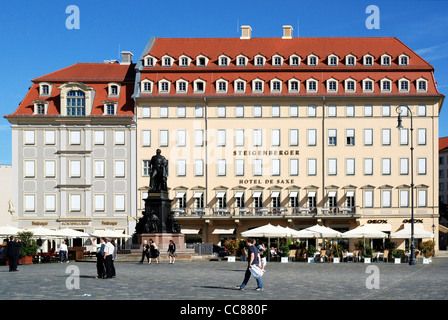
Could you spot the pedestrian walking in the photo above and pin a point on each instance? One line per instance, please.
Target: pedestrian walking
(114, 257)
(172, 251)
(254, 260)
(145, 252)
(100, 268)
(63, 252)
(262, 250)
(153, 251)
(108, 259)
(13, 252)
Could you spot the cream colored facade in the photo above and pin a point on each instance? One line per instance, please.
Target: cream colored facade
(379, 196)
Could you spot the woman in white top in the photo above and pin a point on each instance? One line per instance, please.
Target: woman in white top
(63, 252)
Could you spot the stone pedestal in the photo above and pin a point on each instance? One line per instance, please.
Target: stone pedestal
(158, 204)
(163, 240)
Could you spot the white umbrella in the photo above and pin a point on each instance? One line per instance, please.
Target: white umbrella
(9, 230)
(289, 232)
(41, 232)
(405, 233)
(266, 231)
(364, 232)
(109, 234)
(324, 232)
(71, 233)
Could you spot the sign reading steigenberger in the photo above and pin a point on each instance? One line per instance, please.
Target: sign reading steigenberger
(266, 152)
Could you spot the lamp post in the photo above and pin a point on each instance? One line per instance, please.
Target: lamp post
(412, 260)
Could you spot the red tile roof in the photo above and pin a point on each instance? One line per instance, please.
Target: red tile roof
(443, 143)
(95, 75)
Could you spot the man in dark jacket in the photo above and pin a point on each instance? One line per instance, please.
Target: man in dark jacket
(13, 252)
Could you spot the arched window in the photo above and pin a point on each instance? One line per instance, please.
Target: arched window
(76, 103)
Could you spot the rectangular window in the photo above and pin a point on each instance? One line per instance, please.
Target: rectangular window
(421, 112)
(146, 138)
(221, 111)
(386, 166)
(75, 168)
(239, 111)
(239, 167)
(258, 167)
(239, 137)
(404, 166)
(119, 137)
(275, 137)
(368, 137)
(275, 167)
(181, 138)
(404, 136)
(368, 166)
(293, 137)
(29, 202)
(385, 137)
(221, 167)
(385, 111)
(386, 198)
(99, 202)
(146, 112)
(163, 112)
(50, 137)
(99, 168)
(199, 112)
(120, 169)
(275, 111)
(421, 198)
(50, 168)
(221, 138)
(181, 168)
(421, 137)
(312, 139)
(350, 167)
(332, 111)
(119, 202)
(421, 166)
(50, 202)
(75, 202)
(257, 137)
(332, 167)
(29, 169)
(75, 137)
(293, 111)
(332, 137)
(29, 137)
(350, 137)
(368, 198)
(145, 168)
(198, 168)
(312, 167)
(311, 111)
(163, 135)
(181, 110)
(99, 137)
(293, 167)
(350, 111)
(258, 113)
(404, 198)
(198, 138)
(368, 111)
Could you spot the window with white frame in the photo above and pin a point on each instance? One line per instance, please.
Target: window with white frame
(258, 86)
(275, 111)
(332, 137)
(421, 111)
(403, 60)
(350, 137)
(275, 137)
(421, 136)
(293, 111)
(333, 60)
(404, 198)
(167, 61)
(404, 137)
(368, 60)
(75, 202)
(199, 86)
(99, 171)
(199, 168)
(293, 137)
(259, 60)
(146, 165)
(181, 86)
(386, 85)
(181, 138)
(221, 167)
(30, 202)
(146, 112)
(332, 167)
(276, 86)
(312, 60)
(50, 137)
(239, 137)
(277, 61)
(241, 61)
(332, 110)
(240, 86)
(50, 202)
(421, 198)
(312, 137)
(421, 166)
(146, 138)
(149, 62)
(239, 111)
(385, 141)
(223, 61)
(350, 60)
(368, 198)
(120, 168)
(332, 86)
(403, 85)
(367, 85)
(221, 137)
(120, 203)
(386, 166)
(163, 138)
(312, 111)
(312, 167)
(422, 85)
(257, 137)
(164, 86)
(350, 166)
(119, 137)
(368, 166)
(75, 137)
(294, 60)
(385, 60)
(311, 85)
(198, 111)
(146, 86)
(75, 168)
(181, 167)
(350, 85)
(221, 86)
(239, 167)
(29, 168)
(221, 111)
(258, 111)
(293, 167)
(349, 110)
(293, 85)
(404, 166)
(258, 167)
(198, 138)
(368, 111)
(99, 202)
(386, 198)
(368, 137)
(163, 112)
(385, 110)
(50, 168)
(184, 61)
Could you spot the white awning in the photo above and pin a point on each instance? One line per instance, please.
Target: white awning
(257, 194)
(190, 231)
(239, 194)
(381, 226)
(312, 194)
(332, 194)
(275, 194)
(220, 194)
(223, 231)
(180, 194)
(293, 194)
(197, 195)
(350, 193)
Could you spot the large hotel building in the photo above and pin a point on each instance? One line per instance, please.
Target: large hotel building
(288, 131)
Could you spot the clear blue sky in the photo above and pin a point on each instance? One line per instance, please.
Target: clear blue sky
(35, 41)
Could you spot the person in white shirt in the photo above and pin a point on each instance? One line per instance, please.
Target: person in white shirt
(63, 252)
(108, 259)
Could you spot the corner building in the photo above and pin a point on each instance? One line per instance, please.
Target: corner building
(288, 131)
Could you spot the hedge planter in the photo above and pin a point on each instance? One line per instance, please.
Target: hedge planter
(284, 260)
(427, 260)
(367, 260)
(231, 259)
(397, 260)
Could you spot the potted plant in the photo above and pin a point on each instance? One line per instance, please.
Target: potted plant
(368, 254)
(232, 247)
(29, 247)
(427, 249)
(310, 253)
(398, 255)
(285, 253)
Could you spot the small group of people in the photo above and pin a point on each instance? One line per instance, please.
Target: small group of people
(106, 253)
(151, 251)
(13, 252)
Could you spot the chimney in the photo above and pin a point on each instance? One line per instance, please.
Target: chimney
(126, 57)
(287, 32)
(245, 32)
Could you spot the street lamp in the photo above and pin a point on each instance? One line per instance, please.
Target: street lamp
(399, 109)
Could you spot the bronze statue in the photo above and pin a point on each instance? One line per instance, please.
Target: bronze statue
(158, 171)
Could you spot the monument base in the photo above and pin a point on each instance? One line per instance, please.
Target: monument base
(163, 240)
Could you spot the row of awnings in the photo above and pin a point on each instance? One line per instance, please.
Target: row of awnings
(257, 194)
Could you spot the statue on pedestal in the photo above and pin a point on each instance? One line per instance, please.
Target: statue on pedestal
(158, 171)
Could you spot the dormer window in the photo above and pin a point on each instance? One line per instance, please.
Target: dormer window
(403, 85)
(277, 60)
(333, 60)
(110, 108)
(260, 60)
(221, 86)
(76, 103)
(257, 86)
(184, 61)
(312, 60)
(150, 61)
(167, 61)
(367, 85)
(240, 86)
(403, 60)
(181, 86)
(199, 86)
(311, 85)
(386, 85)
(241, 61)
(164, 86)
(422, 85)
(276, 86)
(40, 107)
(294, 85)
(201, 61)
(350, 85)
(332, 85)
(146, 86)
(45, 89)
(350, 60)
(385, 60)
(368, 60)
(224, 61)
(114, 89)
(294, 60)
